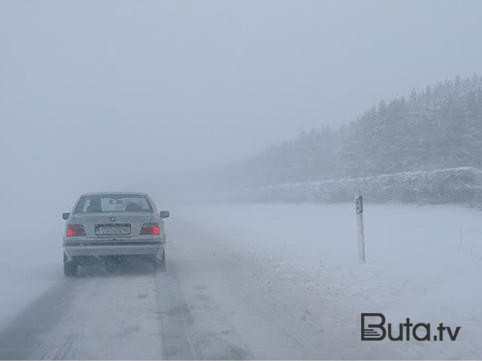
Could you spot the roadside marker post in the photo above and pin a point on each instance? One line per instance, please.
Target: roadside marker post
(360, 228)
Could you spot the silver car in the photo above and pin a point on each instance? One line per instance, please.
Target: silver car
(111, 226)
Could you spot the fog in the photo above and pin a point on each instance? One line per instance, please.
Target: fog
(125, 94)
(183, 98)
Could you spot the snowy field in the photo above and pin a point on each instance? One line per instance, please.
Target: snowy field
(424, 262)
(254, 281)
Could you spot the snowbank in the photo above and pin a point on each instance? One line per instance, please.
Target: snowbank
(453, 185)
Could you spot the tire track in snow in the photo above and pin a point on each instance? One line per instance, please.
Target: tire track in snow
(97, 315)
(176, 319)
(122, 313)
(22, 336)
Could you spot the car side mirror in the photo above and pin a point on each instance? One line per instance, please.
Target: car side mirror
(164, 214)
(65, 215)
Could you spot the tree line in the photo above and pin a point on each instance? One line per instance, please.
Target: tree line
(436, 128)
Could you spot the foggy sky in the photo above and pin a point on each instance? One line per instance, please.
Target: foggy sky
(112, 95)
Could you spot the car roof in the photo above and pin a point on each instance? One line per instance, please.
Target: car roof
(119, 193)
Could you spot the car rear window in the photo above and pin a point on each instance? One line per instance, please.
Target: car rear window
(113, 203)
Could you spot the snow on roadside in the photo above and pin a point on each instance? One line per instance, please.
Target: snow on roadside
(30, 260)
(440, 186)
(423, 261)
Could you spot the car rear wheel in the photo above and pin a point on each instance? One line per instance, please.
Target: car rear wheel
(70, 267)
(160, 262)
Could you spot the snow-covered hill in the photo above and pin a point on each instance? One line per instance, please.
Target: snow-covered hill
(437, 128)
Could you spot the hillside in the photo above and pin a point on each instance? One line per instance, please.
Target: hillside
(437, 128)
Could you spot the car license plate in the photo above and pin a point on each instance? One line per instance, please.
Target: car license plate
(112, 229)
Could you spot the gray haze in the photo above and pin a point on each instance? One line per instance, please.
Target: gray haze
(119, 95)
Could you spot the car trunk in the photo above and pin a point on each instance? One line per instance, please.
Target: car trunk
(113, 225)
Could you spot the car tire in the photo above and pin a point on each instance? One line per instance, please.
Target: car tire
(160, 263)
(70, 267)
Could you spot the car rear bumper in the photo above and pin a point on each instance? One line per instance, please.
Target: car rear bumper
(131, 249)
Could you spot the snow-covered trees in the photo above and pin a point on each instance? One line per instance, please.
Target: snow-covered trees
(426, 148)
(439, 127)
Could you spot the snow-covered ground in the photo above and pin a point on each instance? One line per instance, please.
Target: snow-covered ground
(252, 281)
(424, 263)
(30, 259)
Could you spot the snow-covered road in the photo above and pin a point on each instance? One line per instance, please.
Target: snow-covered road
(210, 304)
(262, 282)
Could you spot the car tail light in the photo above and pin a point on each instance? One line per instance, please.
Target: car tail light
(151, 228)
(75, 230)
